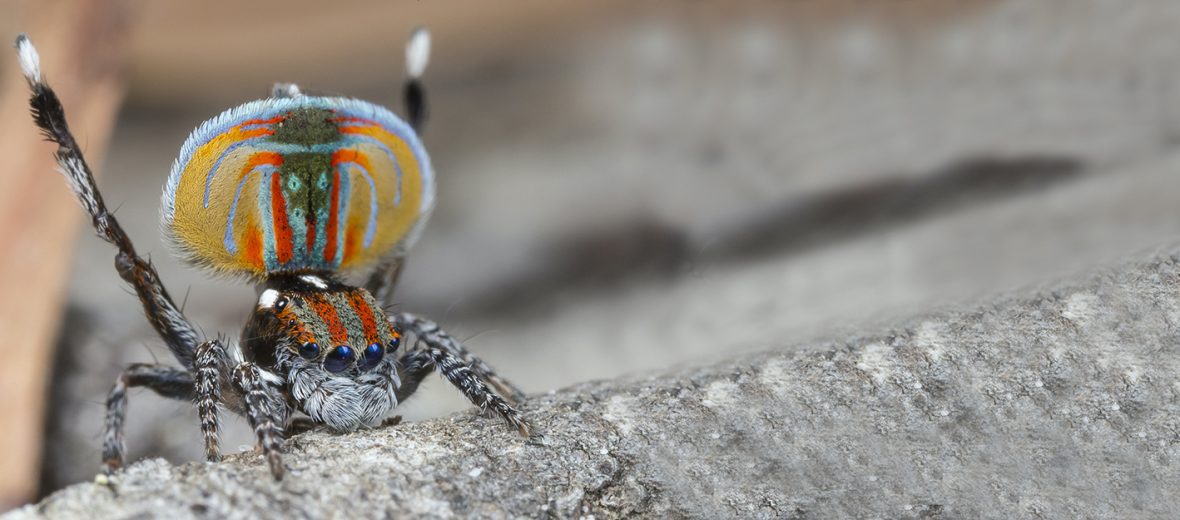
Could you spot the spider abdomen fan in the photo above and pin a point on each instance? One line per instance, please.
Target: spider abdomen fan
(298, 184)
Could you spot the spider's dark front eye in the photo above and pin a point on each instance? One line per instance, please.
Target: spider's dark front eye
(373, 355)
(338, 359)
(395, 342)
(309, 350)
(281, 303)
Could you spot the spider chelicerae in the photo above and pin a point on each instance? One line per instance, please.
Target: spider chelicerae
(291, 193)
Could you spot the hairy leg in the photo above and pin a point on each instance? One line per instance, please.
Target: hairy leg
(265, 411)
(423, 359)
(413, 367)
(414, 95)
(211, 361)
(49, 115)
(169, 382)
(432, 335)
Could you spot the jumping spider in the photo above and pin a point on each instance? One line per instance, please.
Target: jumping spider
(289, 192)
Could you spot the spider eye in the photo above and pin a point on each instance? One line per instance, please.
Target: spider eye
(373, 355)
(309, 350)
(338, 359)
(281, 303)
(395, 342)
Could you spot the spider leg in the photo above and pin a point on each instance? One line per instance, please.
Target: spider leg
(300, 425)
(413, 367)
(265, 411)
(49, 115)
(436, 350)
(169, 382)
(417, 56)
(285, 90)
(430, 333)
(383, 280)
(210, 361)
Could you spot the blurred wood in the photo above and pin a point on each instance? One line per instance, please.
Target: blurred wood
(349, 43)
(80, 43)
(239, 57)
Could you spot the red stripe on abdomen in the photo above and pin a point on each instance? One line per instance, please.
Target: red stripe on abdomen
(333, 219)
(282, 226)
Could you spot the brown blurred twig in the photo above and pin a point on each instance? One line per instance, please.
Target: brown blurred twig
(81, 49)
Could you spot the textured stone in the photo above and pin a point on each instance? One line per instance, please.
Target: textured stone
(1058, 404)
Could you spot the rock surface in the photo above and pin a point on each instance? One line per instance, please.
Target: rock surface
(1057, 404)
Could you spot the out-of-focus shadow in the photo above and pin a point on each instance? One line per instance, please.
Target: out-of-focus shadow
(890, 201)
(607, 258)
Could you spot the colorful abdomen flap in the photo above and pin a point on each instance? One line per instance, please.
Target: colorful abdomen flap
(298, 184)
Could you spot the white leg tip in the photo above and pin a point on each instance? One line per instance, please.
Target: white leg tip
(30, 61)
(289, 90)
(418, 52)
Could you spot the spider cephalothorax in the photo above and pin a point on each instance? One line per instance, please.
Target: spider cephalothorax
(335, 345)
(289, 192)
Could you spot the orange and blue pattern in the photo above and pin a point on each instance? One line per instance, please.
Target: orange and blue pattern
(299, 184)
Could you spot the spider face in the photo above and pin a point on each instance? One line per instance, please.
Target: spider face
(331, 344)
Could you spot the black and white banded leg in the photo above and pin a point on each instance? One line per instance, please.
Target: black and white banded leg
(424, 358)
(433, 336)
(50, 116)
(210, 363)
(417, 57)
(169, 382)
(265, 411)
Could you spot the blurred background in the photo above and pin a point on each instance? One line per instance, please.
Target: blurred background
(624, 187)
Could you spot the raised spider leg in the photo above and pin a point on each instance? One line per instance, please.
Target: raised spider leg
(417, 56)
(49, 115)
(265, 411)
(210, 361)
(169, 382)
(384, 279)
(436, 350)
(430, 333)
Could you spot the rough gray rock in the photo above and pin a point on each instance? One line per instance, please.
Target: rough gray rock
(1062, 404)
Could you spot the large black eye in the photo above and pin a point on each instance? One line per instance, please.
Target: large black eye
(373, 355)
(281, 303)
(395, 342)
(309, 350)
(338, 359)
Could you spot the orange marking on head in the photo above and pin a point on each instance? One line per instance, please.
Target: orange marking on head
(282, 227)
(365, 312)
(324, 309)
